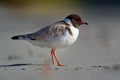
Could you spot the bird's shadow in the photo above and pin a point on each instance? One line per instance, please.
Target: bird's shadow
(22, 66)
(13, 65)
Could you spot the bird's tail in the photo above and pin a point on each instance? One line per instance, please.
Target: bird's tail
(20, 37)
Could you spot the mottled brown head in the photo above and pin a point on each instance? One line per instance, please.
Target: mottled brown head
(76, 20)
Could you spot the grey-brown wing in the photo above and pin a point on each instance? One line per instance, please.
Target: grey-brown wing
(51, 31)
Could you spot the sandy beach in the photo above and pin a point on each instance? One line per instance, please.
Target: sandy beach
(94, 56)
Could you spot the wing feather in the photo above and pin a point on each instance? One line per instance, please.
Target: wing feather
(51, 31)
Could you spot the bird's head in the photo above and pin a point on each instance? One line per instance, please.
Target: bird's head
(76, 20)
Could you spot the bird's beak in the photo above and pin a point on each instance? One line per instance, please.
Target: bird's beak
(83, 22)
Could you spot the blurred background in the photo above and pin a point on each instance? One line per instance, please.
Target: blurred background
(98, 43)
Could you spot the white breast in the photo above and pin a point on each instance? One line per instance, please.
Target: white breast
(65, 40)
(70, 39)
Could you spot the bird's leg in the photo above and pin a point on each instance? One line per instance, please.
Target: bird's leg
(52, 52)
(58, 62)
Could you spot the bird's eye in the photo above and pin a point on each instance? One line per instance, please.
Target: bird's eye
(78, 20)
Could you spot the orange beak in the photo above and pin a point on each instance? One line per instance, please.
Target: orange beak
(83, 22)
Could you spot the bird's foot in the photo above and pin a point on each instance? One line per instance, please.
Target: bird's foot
(61, 65)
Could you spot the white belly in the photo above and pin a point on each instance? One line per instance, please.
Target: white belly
(60, 41)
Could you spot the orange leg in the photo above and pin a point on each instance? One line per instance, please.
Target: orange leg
(54, 55)
(53, 62)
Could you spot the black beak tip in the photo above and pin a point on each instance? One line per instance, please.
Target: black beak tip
(86, 23)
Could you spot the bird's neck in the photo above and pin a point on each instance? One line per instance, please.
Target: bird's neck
(68, 21)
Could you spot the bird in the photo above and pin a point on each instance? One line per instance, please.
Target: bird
(60, 34)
